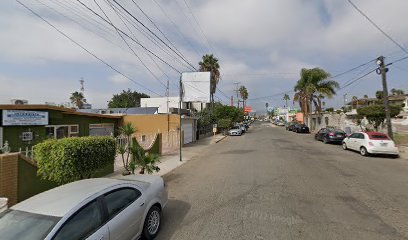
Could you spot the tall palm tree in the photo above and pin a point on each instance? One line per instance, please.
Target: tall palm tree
(243, 92)
(286, 98)
(210, 64)
(78, 99)
(312, 84)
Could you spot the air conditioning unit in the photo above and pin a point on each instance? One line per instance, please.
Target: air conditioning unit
(19, 101)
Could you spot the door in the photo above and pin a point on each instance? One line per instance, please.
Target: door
(352, 141)
(359, 141)
(188, 132)
(125, 210)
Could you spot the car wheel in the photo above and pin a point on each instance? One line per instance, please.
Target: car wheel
(363, 151)
(325, 141)
(152, 223)
(344, 146)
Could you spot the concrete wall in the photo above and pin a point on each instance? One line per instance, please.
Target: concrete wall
(161, 103)
(341, 121)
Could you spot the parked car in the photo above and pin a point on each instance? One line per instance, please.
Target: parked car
(235, 131)
(370, 143)
(290, 126)
(99, 208)
(330, 135)
(280, 123)
(301, 128)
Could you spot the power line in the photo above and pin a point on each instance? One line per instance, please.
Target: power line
(124, 40)
(144, 33)
(83, 48)
(198, 24)
(376, 26)
(357, 79)
(155, 25)
(175, 27)
(154, 34)
(127, 35)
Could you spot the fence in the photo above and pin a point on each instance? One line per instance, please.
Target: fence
(29, 152)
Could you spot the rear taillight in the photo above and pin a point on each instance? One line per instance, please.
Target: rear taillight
(371, 144)
(331, 134)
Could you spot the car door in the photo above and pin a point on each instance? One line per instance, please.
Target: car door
(352, 141)
(322, 133)
(360, 141)
(125, 209)
(86, 223)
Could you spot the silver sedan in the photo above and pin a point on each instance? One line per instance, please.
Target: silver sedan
(100, 209)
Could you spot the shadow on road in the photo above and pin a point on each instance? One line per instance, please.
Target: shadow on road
(173, 216)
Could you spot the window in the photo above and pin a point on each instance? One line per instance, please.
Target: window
(21, 225)
(143, 138)
(354, 135)
(360, 136)
(118, 200)
(103, 129)
(1, 137)
(82, 224)
(323, 130)
(62, 131)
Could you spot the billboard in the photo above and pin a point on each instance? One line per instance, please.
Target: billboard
(24, 118)
(196, 86)
(248, 109)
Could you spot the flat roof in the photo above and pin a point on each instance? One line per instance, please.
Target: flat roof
(55, 108)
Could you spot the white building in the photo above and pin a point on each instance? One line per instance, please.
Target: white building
(163, 103)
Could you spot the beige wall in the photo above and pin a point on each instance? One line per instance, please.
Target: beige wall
(153, 123)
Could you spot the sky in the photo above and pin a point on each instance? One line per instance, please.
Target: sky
(261, 44)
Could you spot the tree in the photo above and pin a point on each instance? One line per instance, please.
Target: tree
(126, 99)
(243, 92)
(396, 92)
(140, 158)
(365, 96)
(354, 101)
(124, 150)
(286, 98)
(379, 95)
(78, 99)
(376, 114)
(210, 64)
(228, 112)
(312, 84)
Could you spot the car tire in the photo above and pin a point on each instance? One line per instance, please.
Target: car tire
(152, 223)
(363, 152)
(344, 146)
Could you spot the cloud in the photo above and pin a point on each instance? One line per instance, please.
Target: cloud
(119, 79)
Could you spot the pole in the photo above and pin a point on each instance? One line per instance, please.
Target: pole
(383, 71)
(344, 102)
(180, 100)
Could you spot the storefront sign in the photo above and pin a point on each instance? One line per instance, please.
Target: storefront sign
(24, 118)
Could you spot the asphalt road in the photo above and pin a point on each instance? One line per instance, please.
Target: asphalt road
(274, 184)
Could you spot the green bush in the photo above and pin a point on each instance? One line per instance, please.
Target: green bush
(70, 159)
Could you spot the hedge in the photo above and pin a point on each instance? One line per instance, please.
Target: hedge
(70, 159)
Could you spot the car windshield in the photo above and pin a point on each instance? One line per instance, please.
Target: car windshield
(21, 225)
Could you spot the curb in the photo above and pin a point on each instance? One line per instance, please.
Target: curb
(219, 140)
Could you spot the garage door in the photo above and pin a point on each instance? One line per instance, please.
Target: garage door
(188, 132)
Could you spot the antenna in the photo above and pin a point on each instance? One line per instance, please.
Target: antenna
(82, 81)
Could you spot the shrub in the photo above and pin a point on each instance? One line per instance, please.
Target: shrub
(70, 159)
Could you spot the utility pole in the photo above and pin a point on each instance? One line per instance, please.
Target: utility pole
(383, 71)
(180, 102)
(237, 90)
(344, 102)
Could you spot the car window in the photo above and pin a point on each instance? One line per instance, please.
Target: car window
(82, 224)
(379, 137)
(354, 135)
(118, 200)
(360, 136)
(22, 225)
(323, 130)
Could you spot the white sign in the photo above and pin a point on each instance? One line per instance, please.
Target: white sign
(24, 118)
(196, 86)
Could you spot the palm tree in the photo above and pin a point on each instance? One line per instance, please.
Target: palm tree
(78, 99)
(366, 96)
(243, 92)
(354, 99)
(210, 64)
(286, 98)
(312, 85)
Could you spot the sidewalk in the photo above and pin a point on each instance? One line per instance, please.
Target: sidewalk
(172, 161)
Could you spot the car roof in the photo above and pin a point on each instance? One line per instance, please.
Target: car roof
(376, 133)
(60, 200)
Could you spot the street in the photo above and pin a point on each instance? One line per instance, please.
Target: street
(274, 184)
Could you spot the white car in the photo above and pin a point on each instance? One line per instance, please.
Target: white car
(235, 131)
(370, 143)
(98, 209)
